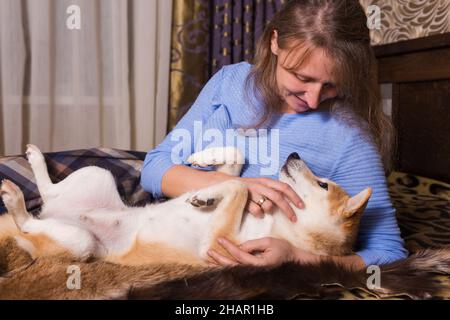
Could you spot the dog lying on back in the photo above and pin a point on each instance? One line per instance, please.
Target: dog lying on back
(84, 216)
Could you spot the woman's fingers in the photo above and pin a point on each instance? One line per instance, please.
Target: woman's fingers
(255, 210)
(256, 245)
(264, 187)
(267, 206)
(287, 209)
(278, 199)
(240, 255)
(220, 259)
(285, 189)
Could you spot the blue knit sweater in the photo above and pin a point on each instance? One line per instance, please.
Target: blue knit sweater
(330, 148)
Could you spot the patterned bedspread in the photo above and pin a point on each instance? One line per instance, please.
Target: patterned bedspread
(124, 165)
(423, 205)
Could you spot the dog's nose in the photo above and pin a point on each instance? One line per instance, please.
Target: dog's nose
(294, 155)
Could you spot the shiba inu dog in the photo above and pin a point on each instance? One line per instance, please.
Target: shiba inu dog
(83, 215)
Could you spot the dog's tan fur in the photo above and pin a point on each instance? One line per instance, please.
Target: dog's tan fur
(152, 253)
(230, 220)
(337, 199)
(7, 226)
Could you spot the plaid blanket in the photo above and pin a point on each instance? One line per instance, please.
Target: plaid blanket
(124, 165)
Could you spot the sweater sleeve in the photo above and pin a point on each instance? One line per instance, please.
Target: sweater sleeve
(358, 167)
(161, 159)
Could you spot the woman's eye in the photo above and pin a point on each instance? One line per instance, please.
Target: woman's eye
(323, 185)
(299, 77)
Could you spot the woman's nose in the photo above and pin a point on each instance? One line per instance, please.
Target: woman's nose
(313, 97)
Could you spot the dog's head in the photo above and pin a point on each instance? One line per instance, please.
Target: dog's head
(329, 222)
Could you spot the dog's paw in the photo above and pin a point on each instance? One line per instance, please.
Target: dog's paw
(198, 202)
(216, 156)
(203, 159)
(11, 194)
(34, 155)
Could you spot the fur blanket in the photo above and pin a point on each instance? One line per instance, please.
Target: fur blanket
(422, 276)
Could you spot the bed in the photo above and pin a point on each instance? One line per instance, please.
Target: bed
(419, 71)
(419, 187)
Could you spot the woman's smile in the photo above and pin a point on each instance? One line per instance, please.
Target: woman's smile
(301, 103)
(296, 104)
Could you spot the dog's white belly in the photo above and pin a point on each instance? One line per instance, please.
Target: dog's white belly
(174, 223)
(180, 227)
(177, 225)
(255, 228)
(115, 231)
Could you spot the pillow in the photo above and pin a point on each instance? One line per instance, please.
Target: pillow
(124, 165)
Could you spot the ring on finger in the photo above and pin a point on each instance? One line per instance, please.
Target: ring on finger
(261, 201)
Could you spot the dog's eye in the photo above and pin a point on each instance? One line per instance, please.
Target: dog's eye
(323, 185)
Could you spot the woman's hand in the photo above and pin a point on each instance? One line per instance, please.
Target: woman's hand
(261, 252)
(273, 192)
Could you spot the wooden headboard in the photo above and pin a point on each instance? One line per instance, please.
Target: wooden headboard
(419, 71)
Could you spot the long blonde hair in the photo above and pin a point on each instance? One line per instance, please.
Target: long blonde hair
(339, 28)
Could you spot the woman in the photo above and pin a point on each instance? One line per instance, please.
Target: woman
(313, 83)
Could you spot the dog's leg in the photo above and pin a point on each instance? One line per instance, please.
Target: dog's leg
(48, 236)
(14, 202)
(230, 198)
(39, 167)
(89, 187)
(206, 198)
(228, 160)
(210, 197)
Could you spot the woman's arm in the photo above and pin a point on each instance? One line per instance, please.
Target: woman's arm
(180, 179)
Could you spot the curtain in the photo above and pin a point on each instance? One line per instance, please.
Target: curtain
(104, 84)
(236, 27)
(189, 55)
(207, 35)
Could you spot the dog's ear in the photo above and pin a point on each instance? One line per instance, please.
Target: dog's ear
(357, 204)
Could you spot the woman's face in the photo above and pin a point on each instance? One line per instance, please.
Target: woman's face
(305, 88)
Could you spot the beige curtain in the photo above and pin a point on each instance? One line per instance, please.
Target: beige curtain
(105, 84)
